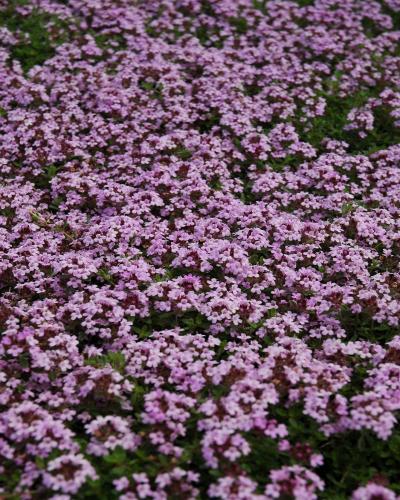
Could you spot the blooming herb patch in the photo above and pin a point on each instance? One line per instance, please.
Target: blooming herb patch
(199, 249)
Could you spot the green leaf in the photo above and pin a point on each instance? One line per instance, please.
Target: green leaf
(117, 456)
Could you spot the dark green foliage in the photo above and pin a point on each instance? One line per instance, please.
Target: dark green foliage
(39, 46)
(182, 153)
(215, 183)
(350, 459)
(154, 89)
(252, 89)
(114, 359)
(332, 124)
(191, 321)
(107, 41)
(363, 327)
(43, 180)
(264, 456)
(355, 458)
(239, 23)
(207, 123)
(305, 3)
(393, 14)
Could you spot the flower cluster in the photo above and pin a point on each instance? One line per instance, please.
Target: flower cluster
(199, 249)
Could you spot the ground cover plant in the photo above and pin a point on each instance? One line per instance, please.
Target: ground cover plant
(199, 249)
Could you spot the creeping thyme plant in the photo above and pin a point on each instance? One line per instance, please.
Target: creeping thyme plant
(199, 249)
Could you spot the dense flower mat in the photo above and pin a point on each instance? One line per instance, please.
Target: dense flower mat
(199, 240)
